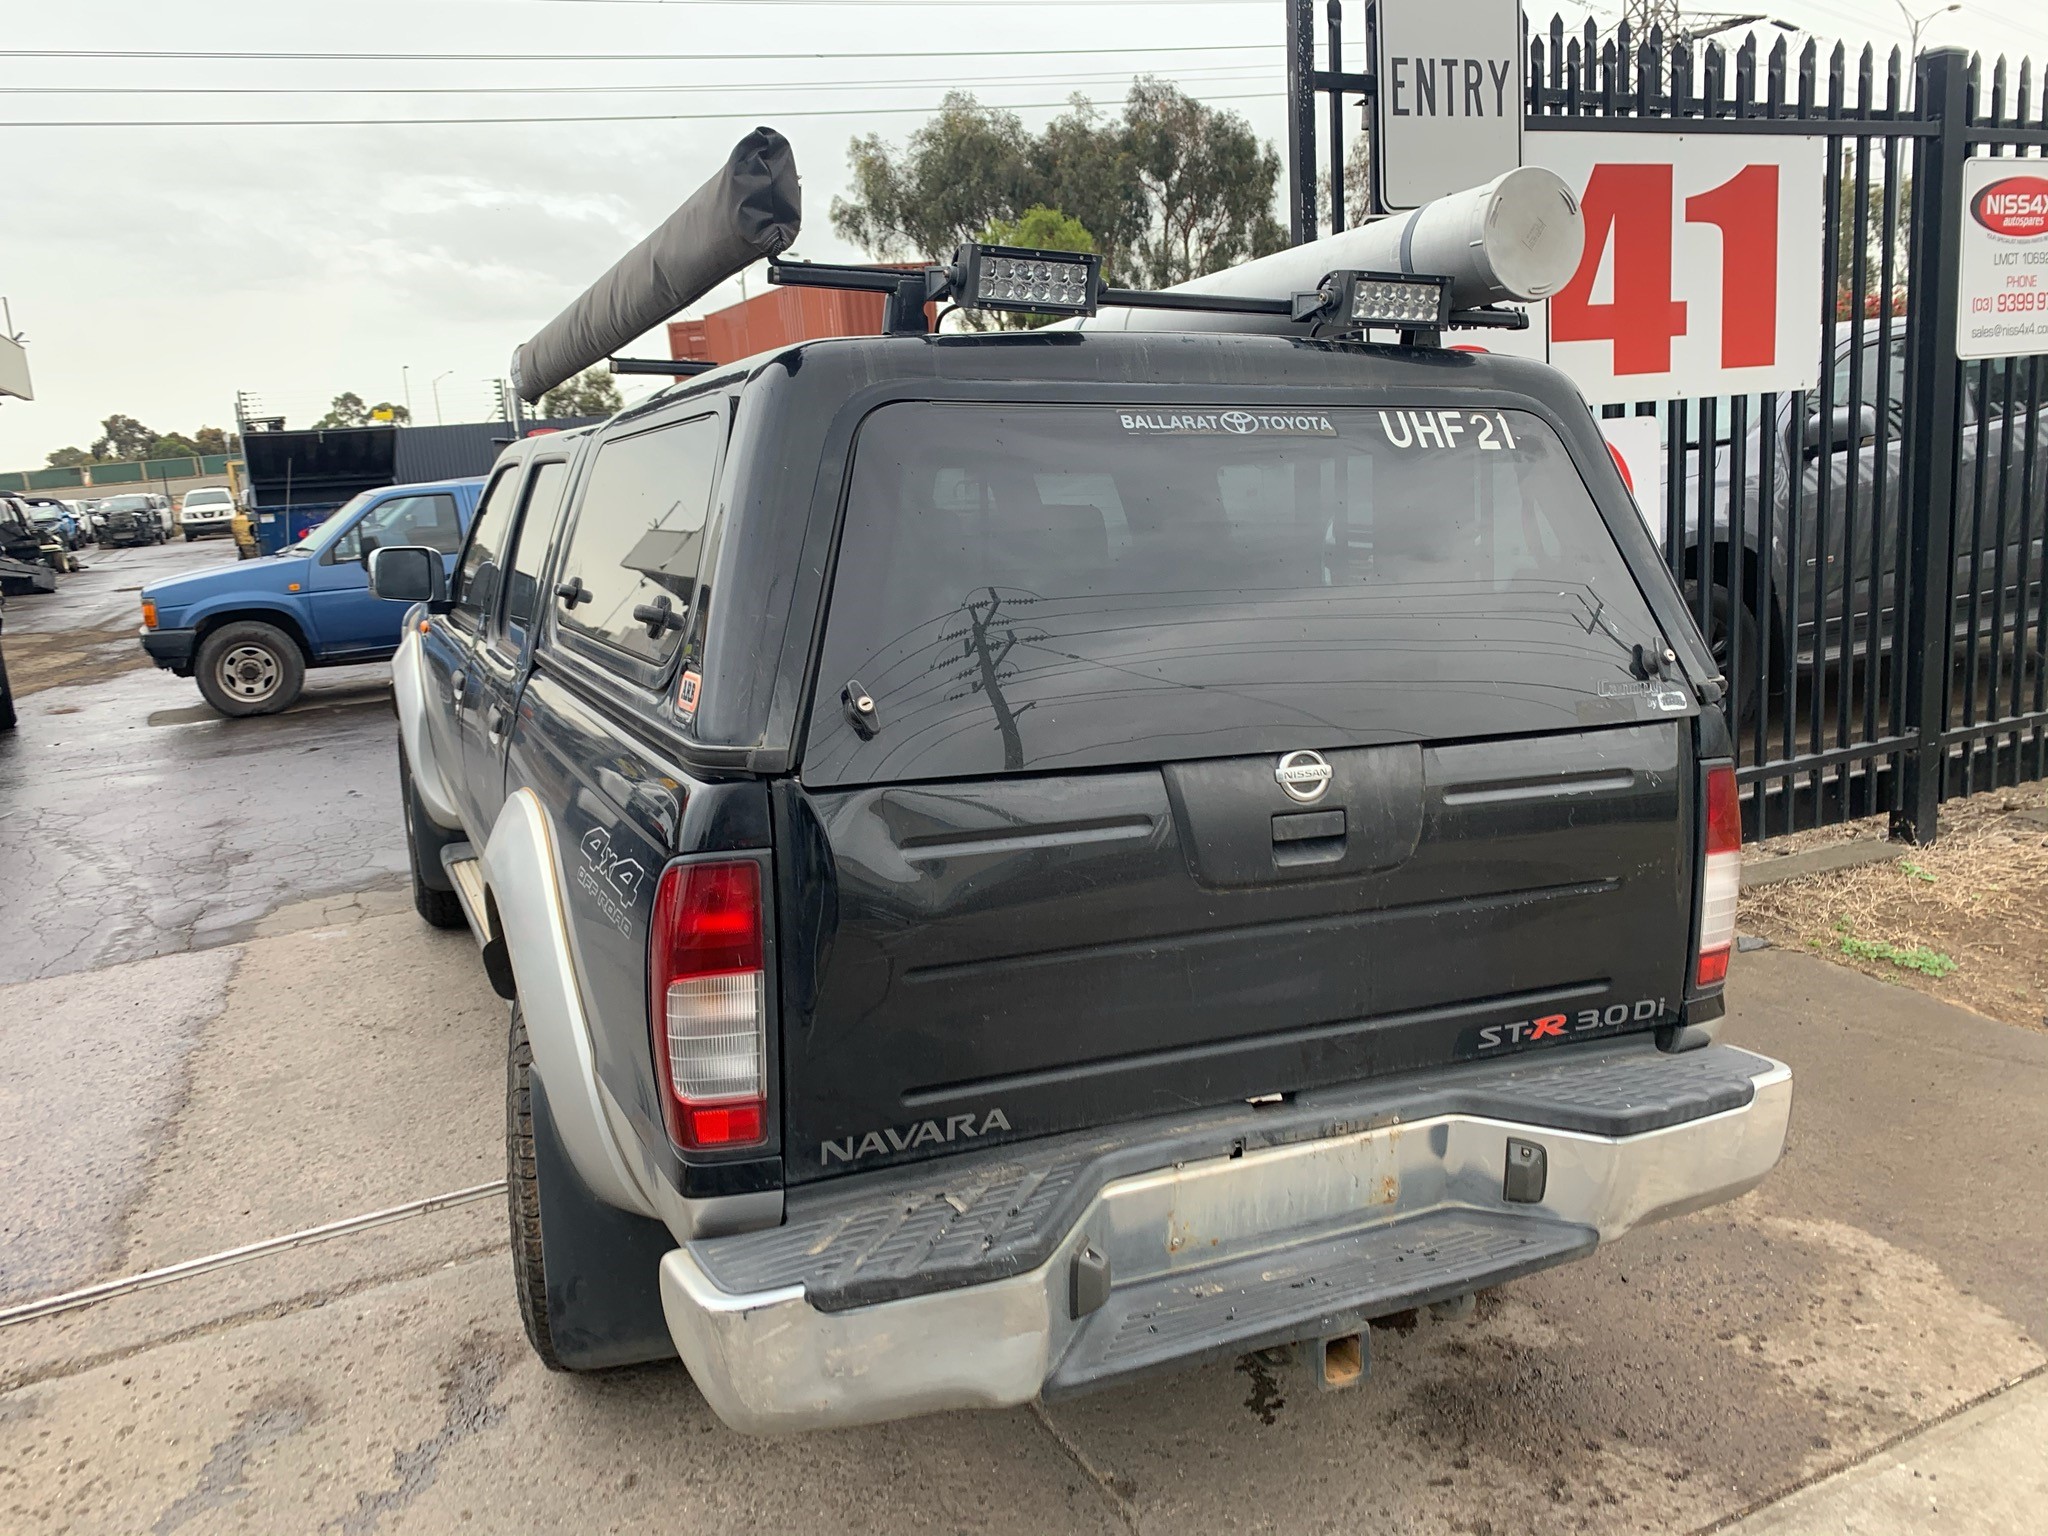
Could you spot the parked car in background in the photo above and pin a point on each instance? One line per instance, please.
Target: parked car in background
(130, 519)
(166, 518)
(208, 510)
(30, 556)
(1858, 451)
(247, 632)
(55, 517)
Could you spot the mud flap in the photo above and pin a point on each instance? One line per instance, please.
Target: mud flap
(602, 1264)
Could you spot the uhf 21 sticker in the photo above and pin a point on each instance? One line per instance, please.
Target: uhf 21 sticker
(686, 695)
(1228, 423)
(1453, 431)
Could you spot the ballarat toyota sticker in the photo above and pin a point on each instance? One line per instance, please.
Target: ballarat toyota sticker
(612, 882)
(1230, 423)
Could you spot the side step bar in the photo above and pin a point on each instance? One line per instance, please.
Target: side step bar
(460, 862)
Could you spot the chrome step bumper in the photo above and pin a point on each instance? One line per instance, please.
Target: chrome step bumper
(915, 1297)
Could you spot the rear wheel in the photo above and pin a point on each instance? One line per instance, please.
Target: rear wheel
(424, 842)
(522, 1196)
(6, 699)
(249, 668)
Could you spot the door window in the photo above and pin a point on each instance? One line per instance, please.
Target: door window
(530, 545)
(426, 519)
(636, 543)
(476, 579)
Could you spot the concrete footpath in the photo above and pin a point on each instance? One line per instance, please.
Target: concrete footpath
(1982, 1473)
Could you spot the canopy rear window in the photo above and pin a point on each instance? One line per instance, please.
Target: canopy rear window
(1044, 588)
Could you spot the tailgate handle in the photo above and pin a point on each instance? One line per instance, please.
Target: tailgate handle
(1301, 826)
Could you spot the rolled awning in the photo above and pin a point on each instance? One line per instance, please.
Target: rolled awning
(750, 208)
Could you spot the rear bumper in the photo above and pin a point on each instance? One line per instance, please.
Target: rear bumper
(171, 648)
(1066, 1268)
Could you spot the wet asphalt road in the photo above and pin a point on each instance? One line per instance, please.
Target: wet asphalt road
(136, 822)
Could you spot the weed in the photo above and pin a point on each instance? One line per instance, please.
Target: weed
(1914, 871)
(1928, 962)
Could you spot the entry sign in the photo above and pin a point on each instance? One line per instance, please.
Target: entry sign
(1447, 97)
(2003, 308)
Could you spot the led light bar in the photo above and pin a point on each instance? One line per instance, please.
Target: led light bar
(1410, 301)
(1036, 282)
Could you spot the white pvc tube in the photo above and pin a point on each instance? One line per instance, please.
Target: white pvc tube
(1517, 239)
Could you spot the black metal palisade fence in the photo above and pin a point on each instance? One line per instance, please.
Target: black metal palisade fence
(1879, 608)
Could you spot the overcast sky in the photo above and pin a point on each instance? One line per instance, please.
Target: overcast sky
(156, 270)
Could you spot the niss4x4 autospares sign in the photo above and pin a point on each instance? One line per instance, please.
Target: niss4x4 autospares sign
(2002, 310)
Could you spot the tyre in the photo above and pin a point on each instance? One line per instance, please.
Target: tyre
(6, 699)
(1735, 641)
(190, 536)
(441, 907)
(588, 1275)
(249, 668)
(522, 1196)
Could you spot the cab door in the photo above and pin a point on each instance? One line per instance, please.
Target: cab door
(498, 659)
(347, 617)
(448, 645)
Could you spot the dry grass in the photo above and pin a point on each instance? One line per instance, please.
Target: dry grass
(1978, 896)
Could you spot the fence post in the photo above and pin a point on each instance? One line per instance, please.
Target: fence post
(1301, 122)
(1934, 412)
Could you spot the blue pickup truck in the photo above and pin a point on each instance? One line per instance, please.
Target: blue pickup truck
(248, 631)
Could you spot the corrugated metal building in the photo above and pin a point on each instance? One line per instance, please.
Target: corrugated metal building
(451, 453)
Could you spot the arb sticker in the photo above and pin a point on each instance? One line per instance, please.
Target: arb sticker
(686, 695)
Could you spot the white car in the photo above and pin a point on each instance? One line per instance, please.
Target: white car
(210, 509)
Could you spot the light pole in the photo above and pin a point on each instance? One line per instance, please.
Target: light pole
(1915, 25)
(405, 379)
(436, 387)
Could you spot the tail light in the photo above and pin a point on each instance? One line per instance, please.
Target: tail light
(1722, 884)
(707, 1003)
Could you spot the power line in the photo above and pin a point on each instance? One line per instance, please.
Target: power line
(1196, 72)
(530, 57)
(616, 117)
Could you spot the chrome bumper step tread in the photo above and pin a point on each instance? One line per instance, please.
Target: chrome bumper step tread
(975, 1217)
(1311, 1290)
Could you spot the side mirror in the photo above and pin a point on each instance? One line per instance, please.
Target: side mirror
(408, 573)
(1847, 430)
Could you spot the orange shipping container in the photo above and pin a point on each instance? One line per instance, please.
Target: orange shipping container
(775, 319)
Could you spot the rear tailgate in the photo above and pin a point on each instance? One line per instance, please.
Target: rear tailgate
(1081, 862)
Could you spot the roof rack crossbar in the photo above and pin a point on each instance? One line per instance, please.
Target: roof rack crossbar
(669, 367)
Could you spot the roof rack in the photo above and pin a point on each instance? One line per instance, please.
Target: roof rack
(1069, 284)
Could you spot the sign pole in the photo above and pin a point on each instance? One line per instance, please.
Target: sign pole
(1301, 121)
(1934, 406)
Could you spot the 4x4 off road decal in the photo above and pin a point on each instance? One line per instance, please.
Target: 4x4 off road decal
(1553, 1027)
(1228, 423)
(610, 881)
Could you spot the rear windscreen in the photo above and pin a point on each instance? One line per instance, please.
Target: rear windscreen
(1040, 588)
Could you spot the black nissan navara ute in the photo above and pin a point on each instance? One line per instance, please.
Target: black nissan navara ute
(1024, 860)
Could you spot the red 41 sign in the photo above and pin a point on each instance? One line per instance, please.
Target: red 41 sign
(1702, 273)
